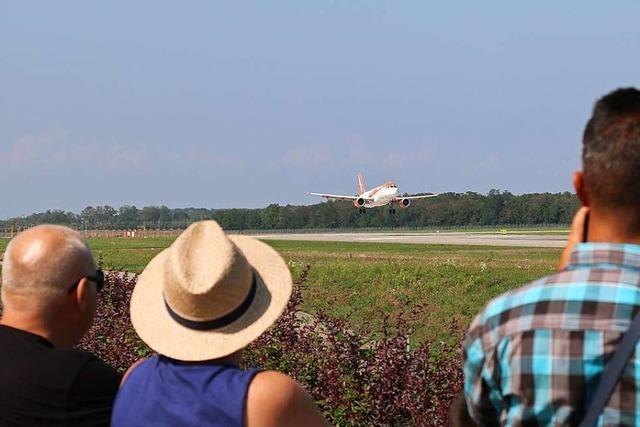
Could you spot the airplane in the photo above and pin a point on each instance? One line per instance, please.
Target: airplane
(385, 194)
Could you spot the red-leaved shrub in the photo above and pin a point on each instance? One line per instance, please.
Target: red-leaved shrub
(359, 381)
(112, 337)
(356, 381)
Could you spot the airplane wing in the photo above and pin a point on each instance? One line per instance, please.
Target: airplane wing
(424, 196)
(337, 196)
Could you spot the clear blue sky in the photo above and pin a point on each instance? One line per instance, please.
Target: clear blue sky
(241, 104)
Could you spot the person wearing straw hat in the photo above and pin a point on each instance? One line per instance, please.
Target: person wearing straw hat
(198, 304)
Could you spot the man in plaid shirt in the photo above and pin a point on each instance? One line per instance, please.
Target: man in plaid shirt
(534, 356)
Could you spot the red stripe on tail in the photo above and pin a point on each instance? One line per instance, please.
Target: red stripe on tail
(361, 187)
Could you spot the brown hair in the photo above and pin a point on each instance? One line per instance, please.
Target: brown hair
(611, 150)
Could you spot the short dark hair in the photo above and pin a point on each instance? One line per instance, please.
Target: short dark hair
(611, 150)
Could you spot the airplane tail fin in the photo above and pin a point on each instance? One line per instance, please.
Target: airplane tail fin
(361, 187)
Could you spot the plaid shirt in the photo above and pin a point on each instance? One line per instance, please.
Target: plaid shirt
(534, 356)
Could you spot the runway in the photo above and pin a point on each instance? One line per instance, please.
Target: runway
(448, 238)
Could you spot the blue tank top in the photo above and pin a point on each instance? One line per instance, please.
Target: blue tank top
(165, 392)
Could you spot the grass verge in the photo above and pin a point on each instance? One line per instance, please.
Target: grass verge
(362, 282)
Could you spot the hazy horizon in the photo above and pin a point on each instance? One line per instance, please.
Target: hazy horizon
(315, 202)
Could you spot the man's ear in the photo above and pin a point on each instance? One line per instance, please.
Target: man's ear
(85, 294)
(578, 184)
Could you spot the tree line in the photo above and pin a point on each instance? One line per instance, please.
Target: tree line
(447, 210)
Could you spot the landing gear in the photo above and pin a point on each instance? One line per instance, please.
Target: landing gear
(392, 209)
(361, 210)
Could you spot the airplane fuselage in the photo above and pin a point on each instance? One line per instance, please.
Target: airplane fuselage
(381, 195)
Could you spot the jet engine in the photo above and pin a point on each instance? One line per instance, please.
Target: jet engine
(404, 203)
(359, 202)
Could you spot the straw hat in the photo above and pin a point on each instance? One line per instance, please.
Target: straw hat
(208, 294)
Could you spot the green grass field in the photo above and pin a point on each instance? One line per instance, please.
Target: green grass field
(128, 254)
(363, 281)
(442, 283)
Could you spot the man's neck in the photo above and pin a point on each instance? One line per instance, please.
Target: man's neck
(232, 359)
(613, 226)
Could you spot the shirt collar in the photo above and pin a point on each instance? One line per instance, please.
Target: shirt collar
(612, 255)
(29, 335)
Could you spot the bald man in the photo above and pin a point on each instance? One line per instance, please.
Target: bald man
(49, 293)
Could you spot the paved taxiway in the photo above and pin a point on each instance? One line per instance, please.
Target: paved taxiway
(449, 238)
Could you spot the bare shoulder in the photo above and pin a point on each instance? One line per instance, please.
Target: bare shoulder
(275, 399)
(274, 390)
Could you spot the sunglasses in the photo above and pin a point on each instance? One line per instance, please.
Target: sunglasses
(98, 279)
